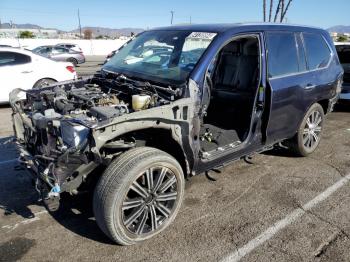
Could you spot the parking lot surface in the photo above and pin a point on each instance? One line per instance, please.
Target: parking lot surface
(92, 64)
(279, 208)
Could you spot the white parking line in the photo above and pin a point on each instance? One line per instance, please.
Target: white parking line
(8, 161)
(36, 217)
(281, 224)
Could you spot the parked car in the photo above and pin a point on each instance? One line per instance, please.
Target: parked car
(74, 47)
(343, 50)
(60, 54)
(146, 52)
(23, 69)
(141, 128)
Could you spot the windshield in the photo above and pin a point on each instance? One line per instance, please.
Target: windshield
(162, 56)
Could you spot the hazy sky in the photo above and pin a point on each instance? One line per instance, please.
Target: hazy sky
(62, 14)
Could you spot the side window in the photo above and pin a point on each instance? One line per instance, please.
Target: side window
(317, 51)
(282, 54)
(6, 58)
(301, 53)
(12, 58)
(60, 50)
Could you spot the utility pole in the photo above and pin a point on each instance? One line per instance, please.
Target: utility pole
(172, 17)
(190, 19)
(264, 10)
(79, 23)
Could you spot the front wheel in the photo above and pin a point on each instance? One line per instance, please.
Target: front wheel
(309, 133)
(138, 195)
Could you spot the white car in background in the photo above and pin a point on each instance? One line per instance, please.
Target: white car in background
(23, 69)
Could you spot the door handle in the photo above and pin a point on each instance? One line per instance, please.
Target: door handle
(309, 86)
(26, 72)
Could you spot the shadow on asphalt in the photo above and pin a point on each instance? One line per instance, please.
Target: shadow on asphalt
(342, 107)
(17, 192)
(18, 195)
(76, 214)
(280, 152)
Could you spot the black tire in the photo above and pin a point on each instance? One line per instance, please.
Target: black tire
(115, 194)
(44, 82)
(73, 61)
(309, 133)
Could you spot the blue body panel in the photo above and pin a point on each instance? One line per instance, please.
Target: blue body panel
(289, 97)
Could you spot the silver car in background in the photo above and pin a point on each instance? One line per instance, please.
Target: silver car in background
(74, 47)
(59, 53)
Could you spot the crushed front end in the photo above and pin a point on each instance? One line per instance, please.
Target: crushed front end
(54, 127)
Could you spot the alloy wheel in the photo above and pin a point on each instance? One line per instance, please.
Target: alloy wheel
(150, 200)
(312, 130)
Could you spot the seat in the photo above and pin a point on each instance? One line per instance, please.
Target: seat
(248, 68)
(228, 65)
(235, 87)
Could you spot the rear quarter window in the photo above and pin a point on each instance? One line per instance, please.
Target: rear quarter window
(282, 54)
(13, 58)
(317, 51)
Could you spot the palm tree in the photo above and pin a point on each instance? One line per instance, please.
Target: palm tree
(270, 12)
(285, 10)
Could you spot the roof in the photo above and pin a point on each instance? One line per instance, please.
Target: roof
(219, 28)
(15, 49)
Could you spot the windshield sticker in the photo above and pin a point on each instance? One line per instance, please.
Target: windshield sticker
(202, 35)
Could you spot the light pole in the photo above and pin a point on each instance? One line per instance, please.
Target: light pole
(79, 23)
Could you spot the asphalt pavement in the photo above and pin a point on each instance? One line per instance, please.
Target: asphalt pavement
(279, 208)
(92, 64)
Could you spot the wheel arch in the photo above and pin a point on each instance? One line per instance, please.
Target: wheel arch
(50, 78)
(325, 105)
(161, 139)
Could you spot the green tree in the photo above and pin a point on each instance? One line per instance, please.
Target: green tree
(26, 34)
(342, 38)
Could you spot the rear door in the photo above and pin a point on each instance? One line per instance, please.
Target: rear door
(59, 53)
(287, 80)
(319, 57)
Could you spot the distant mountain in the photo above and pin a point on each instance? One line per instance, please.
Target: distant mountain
(109, 31)
(339, 29)
(20, 26)
(95, 30)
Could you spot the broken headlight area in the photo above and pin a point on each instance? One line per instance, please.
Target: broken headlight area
(53, 149)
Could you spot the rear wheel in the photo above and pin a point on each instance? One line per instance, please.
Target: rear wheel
(73, 61)
(138, 195)
(44, 82)
(309, 133)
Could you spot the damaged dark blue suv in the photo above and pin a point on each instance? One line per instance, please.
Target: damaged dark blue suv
(172, 103)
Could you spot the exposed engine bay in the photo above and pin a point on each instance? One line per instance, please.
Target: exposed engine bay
(57, 123)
